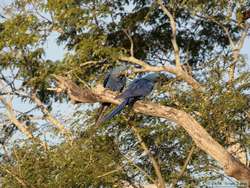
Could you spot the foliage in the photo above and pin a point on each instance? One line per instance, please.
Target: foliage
(95, 34)
(76, 165)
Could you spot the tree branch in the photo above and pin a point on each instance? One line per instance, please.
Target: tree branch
(110, 172)
(155, 164)
(131, 42)
(173, 38)
(220, 25)
(180, 73)
(235, 149)
(235, 46)
(22, 127)
(141, 170)
(184, 166)
(200, 136)
(236, 52)
(51, 119)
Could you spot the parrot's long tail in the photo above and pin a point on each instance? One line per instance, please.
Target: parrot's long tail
(100, 112)
(115, 111)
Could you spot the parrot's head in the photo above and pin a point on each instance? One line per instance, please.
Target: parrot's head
(119, 70)
(152, 77)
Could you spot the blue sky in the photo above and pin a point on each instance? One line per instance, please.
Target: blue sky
(52, 50)
(246, 49)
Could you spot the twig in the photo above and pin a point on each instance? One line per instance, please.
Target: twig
(180, 73)
(110, 172)
(82, 65)
(82, 81)
(131, 42)
(88, 63)
(173, 38)
(184, 166)
(156, 166)
(141, 170)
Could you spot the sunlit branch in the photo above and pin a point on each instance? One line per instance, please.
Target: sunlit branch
(131, 42)
(180, 73)
(173, 38)
(20, 125)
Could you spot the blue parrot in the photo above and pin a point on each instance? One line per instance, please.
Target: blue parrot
(114, 81)
(137, 90)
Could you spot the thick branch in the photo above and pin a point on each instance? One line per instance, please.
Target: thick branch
(180, 73)
(200, 136)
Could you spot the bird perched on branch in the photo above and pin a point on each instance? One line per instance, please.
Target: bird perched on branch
(114, 80)
(137, 90)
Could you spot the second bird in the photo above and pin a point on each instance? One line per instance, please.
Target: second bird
(115, 81)
(137, 90)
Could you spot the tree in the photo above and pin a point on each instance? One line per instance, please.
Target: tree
(195, 44)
